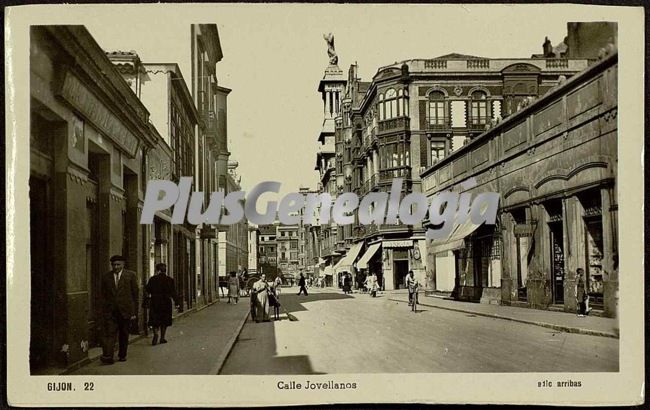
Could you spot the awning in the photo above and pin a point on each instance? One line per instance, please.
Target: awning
(321, 261)
(329, 271)
(457, 238)
(345, 264)
(363, 262)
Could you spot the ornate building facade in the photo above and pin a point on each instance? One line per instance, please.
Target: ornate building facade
(554, 163)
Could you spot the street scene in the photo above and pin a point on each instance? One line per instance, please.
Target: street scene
(136, 292)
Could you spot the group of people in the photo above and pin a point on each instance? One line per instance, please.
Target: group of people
(263, 296)
(119, 292)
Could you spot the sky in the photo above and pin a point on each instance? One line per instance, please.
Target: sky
(274, 57)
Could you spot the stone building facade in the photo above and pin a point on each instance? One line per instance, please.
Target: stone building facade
(554, 164)
(88, 136)
(410, 116)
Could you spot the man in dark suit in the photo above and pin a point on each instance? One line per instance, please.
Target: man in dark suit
(120, 301)
(301, 283)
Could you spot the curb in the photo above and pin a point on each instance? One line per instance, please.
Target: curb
(223, 356)
(561, 328)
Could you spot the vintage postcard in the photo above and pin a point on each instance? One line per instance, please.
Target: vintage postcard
(234, 205)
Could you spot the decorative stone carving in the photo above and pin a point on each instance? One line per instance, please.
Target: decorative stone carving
(458, 90)
(331, 52)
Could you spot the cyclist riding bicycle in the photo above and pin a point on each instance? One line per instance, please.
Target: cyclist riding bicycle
(412, 285)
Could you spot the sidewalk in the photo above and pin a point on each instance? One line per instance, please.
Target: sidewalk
(561, 321)
(199, 343)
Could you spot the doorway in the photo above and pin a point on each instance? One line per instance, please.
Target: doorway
(43, 285)
(401, 269)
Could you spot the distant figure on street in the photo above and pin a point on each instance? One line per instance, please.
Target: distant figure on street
(411, 285)
(233, 287)
(347, 283)
(277, 283)
(301, 283)
(163, 292)
(119, 301)
(243, 280)
(261, 289)
(274, 299)
(581, 293)
(373, 286)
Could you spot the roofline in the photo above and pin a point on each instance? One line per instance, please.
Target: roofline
(519, 115)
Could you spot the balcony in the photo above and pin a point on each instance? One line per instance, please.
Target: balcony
(438, 123)
(478, 123)
(386, 176)
(369, 184)
(395, 124)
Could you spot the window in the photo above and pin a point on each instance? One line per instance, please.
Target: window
(437, 109)
(437, 151)
(394, 155)
(393, 104)
(478, 112)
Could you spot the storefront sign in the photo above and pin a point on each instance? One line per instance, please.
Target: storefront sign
(92, 108)
(397, 244)
(523, 230)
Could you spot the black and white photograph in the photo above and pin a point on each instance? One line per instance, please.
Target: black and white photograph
(324, 202)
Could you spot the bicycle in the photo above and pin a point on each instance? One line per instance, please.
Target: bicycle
(414, 299)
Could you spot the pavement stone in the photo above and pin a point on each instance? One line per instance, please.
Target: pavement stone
(561, 321)
(198, 343)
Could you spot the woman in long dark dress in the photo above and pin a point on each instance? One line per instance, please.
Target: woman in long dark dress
(162, 290)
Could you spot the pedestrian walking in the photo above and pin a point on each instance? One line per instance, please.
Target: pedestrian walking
(233, 287)
(373, 285)
(347, 283)
(261, 289)
(581, 293)
(162, 293)
(277, 283)
(274, 299)
(301, 283)
(119, 291)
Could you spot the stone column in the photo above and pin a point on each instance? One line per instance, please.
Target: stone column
(574, 249)
(509, 283)
(610, 248)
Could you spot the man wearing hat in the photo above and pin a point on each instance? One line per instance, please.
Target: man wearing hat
(120, 300)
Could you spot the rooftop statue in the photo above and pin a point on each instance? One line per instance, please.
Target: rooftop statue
(329, 38)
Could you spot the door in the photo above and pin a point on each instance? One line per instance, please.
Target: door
(557, 261)
(401, 269)
(43, 292)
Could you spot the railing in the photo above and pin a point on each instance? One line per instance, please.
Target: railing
(478, 63)
(478, 123)
(387, 175)
(557, 63)
(399, 123)
(438, 123)
(435, 64)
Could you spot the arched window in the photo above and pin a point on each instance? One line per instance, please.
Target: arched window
(437, 109)
(393, 104)
(478, 114)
